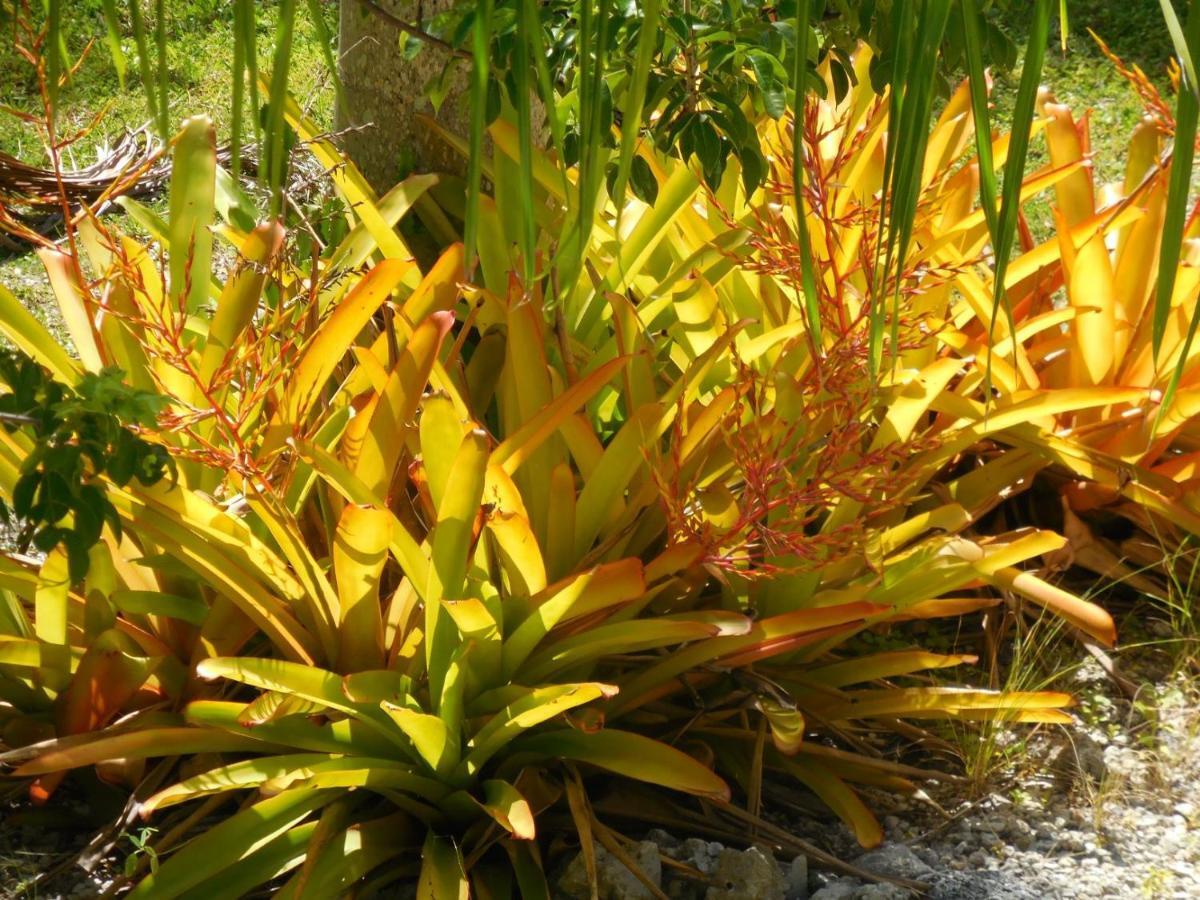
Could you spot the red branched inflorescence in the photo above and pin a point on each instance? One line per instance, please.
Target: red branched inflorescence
(787, 470)
(1156, 107)
(223, 425)
(792, 463)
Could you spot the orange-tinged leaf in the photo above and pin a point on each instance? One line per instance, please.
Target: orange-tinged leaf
(333, 339)
(74, 305)
(149, 742)
(387, 419)
(438, 290)
(512, 812)
(1083, 614)
(917, 702)
(518, 447)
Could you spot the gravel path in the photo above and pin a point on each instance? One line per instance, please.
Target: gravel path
(1108, 810)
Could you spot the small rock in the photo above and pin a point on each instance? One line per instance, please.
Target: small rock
(980, 886)
(615, 882)
(842, 889)
(746, 873)
(667, 842)
(700, 854)
(882, 892)
(796, 879)
(894, 861)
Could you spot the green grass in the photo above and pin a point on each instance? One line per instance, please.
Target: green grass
(199, 60)
(1086, 81)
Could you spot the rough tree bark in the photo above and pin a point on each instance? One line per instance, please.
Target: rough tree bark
(385, 92)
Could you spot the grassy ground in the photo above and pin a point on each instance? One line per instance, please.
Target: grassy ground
(1086, 81)
(199, 60)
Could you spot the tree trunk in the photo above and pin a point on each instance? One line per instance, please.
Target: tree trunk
(384, 93)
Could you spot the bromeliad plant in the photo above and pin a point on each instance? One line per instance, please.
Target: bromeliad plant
(436, 551)
(1132, 454)
(432, 555)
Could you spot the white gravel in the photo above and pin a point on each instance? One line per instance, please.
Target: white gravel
(1106, 810)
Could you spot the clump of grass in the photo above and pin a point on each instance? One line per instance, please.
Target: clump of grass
(991, 747)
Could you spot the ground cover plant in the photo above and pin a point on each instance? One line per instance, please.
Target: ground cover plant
(430, 559)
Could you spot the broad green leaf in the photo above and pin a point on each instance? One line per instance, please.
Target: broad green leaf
(533, 708)
(202, 860)
(246, 774)
(429, 734)
(632, 755)
(588, 592)
(270, 861)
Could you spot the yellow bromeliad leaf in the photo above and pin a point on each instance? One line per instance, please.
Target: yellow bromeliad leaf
(76, 306)
(378, 443)
(1090, 274)
(360, 549)
(884, 665)
(240, 297)
(440, 427)
(333, 339)
(192, 201)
